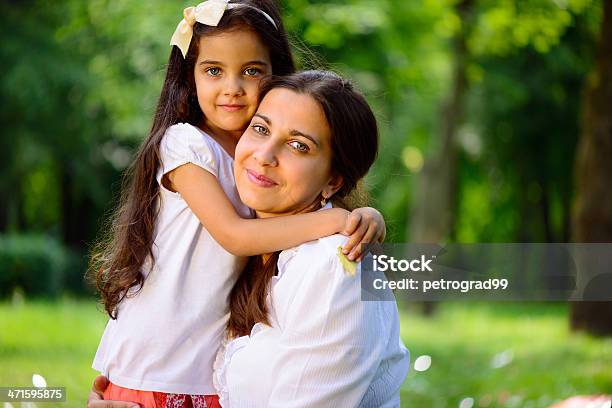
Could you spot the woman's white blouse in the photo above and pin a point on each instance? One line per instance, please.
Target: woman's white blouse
(325, 347)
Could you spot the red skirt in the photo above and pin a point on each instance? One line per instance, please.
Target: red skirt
(153, 399)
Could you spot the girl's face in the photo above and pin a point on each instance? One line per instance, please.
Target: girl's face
(227, 73)
(283, 159)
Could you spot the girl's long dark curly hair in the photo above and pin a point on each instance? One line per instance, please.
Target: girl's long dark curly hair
(117, 259)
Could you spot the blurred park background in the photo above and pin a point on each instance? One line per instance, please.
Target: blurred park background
(496, 126)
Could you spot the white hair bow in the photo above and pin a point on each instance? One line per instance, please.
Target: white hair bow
(209, 13)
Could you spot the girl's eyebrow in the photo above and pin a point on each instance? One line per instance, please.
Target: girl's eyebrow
(210, 62)
(293, 132)
(254, 62)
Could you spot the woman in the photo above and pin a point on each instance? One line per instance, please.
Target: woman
(299, 334)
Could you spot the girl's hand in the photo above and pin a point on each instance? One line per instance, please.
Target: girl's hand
(364, 225)
(96, 396)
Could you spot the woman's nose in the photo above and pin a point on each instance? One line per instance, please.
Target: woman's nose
(265, 155)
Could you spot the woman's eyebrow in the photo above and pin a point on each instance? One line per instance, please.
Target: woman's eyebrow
(298, 133)
(293, 132)
(265, 118)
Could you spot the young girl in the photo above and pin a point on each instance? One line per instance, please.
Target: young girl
(180, 231)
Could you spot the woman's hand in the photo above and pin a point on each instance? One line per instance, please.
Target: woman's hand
(364, 225)
(96, 396)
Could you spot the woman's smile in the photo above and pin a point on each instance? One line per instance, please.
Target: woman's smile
(260, 179)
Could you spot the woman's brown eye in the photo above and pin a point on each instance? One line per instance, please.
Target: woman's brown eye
(259, 129)
(299, 146)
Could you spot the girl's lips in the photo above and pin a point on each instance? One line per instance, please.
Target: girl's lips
(232, 108)
(259, 179)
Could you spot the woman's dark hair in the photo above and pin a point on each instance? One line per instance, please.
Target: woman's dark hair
(117, 259)
(354, 142)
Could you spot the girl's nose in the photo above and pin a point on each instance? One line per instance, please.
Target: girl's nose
(233, 86)
(265, 155)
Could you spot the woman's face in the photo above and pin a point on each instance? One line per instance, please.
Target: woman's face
(283, 160)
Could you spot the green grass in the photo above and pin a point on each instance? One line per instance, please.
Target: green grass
(549, 363)
(55, 340)
(58, 340)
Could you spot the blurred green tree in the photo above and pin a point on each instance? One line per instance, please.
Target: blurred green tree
(79, 84)
(54, 178)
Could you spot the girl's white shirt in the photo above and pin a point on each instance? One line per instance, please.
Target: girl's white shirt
(325, 346)
(166, 336)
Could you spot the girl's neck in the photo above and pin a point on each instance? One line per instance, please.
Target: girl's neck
(226, 139)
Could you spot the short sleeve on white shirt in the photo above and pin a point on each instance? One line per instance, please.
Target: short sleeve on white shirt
(165, 337)
(184, 143)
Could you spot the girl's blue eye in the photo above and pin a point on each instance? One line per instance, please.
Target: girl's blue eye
(299, 146)
(252, 71)
(213, 71)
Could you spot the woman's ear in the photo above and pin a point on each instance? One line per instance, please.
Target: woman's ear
(333, 185)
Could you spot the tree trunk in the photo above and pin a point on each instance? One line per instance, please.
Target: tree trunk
(432, 217)
(592, 217)
(433, 213)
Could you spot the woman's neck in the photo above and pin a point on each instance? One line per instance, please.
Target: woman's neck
(312, 207)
